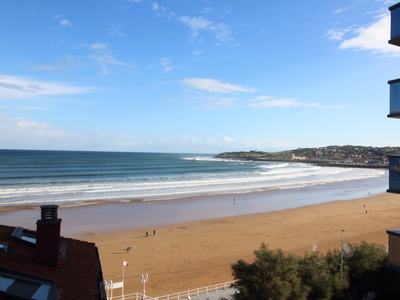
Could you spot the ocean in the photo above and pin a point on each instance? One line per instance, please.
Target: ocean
(70, 178)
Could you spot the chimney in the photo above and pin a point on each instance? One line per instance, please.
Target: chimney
(48, 236)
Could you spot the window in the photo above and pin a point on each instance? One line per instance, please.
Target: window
(25, 286)
(24, 236)
(3, 246)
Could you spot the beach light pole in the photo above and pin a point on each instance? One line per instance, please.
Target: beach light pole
(124, 264)
(144, 280)
(341, 259)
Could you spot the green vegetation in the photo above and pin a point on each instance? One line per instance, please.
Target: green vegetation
(280, 276)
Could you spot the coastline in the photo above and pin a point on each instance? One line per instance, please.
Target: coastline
(106, 216)
(199, 238)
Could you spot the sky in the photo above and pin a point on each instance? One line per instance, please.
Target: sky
(195, 76)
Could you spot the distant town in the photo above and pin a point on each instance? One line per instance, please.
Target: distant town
(342, 156)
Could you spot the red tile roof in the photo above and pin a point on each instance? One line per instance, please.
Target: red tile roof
(77, 276)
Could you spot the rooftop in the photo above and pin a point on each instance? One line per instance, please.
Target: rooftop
(78, 275)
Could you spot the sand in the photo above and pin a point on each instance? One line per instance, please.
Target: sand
(196, 254)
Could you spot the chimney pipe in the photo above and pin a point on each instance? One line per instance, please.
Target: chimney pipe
(48, 236)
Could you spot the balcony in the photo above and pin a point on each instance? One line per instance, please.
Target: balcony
(395, 25)
(394, 249)
(394, 174)
(394, 99)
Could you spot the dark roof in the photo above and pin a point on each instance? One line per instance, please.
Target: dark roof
(79, 275)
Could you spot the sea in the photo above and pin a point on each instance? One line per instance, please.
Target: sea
(71, 178)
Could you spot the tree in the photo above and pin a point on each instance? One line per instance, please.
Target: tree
(273, 275)
(322, 275)
(368, 273)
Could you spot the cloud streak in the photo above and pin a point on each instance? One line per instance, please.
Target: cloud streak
(264, 102)
(213, 85)
(13, 87)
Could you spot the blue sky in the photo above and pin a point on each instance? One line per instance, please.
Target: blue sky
(195, 76)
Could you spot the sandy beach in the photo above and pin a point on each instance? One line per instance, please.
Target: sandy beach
(195, 254)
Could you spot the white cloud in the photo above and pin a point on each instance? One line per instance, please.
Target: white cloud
(155, 6)
(373, 37)
(165, 61)
(340, 10)
(65, 23)
(169, 68)
(221, 103)
(228, 139)
(222, 31)
(213, 85)
(284, 102)
(105, 59)
(197, 52)
(135, 1)
(13, 87)
(99, 46)
(233, 144)
(263, 101)
(22, 133)
(337, 34)
(262, 98)
(196, 23)
(64, 64)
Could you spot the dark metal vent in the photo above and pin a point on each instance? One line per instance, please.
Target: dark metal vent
(49, 212)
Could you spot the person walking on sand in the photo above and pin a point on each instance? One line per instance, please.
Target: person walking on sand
(154, 232)
(147, 234)
(127, 249)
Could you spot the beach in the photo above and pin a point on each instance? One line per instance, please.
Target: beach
(196, 254)
(197, 239)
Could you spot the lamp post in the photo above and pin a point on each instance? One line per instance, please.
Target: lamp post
(341, 259)
(144, 280)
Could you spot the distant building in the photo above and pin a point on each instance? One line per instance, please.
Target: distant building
(42, 265)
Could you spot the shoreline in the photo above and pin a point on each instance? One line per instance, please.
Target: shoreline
(102, 217)
(16, 207)
(198, 239)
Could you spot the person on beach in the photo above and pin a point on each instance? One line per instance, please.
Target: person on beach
(147, 234)
(127, 249)
(154, 232)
